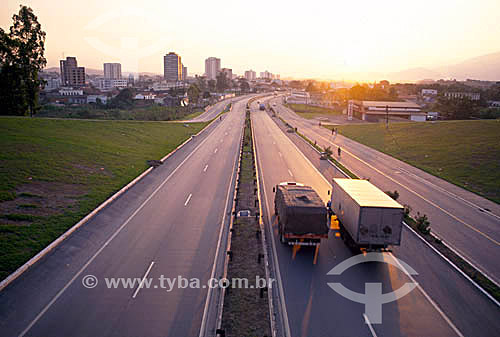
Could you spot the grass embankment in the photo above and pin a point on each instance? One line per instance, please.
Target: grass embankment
(465, 153)
(246, 310)
(151, 112)
(54, 172)
(311, 112)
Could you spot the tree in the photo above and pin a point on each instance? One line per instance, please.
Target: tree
(244, 86)
(201, 83)
(211, 85)
(193, 93)
(456, 108)
(222, 82)
(311, 87)
(21, 59)
(124, 99)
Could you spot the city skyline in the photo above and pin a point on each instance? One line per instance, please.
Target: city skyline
(327, 44)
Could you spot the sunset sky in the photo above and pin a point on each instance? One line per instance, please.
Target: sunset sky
(313, 39)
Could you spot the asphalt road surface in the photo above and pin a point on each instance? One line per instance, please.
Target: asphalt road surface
(458, 216)
(168, 224)
(444, 303)
(214, 110)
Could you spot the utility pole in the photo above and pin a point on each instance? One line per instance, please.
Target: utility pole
(387, 117)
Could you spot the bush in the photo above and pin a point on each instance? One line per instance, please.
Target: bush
(423, 224)
(394, 195)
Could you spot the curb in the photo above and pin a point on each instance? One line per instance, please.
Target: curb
(19, 271)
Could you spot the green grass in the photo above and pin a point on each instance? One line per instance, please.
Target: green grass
(139, 111)
(194, 114)
(465, 153)
(90, 160)
(311, 112)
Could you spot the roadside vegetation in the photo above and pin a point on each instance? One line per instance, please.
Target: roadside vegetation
(462, 152)
(311, 112)
(54, 172)
(422, 226)
(139, 113)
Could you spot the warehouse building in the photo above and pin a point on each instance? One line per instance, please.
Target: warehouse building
(375, 111)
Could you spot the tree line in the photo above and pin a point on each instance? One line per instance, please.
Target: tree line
(21, 59)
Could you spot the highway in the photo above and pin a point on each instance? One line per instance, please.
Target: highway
(458, 216)
(215, 109)
(169, 224)
(444, 303)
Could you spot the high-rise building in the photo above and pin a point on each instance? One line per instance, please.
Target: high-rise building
(250, 75)
(212, 68)
(228, 72)
(112, 71)
(71, 73)
(172, 67)
(184, 73)
(266, 75)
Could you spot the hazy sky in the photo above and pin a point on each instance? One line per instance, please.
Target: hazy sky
(321, 39)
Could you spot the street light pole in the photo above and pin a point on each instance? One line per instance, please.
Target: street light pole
(387, 117)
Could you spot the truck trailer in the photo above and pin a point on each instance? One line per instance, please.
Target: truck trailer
(368, 218)
(301, 215)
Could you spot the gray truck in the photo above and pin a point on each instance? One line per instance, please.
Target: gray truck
(301, 216)
(368, 218)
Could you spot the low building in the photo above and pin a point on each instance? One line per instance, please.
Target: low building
(429, 92)
(165, 86)
(474, 96)
(109, 84)
(299, 97)
(95, 98)
(51, 83)
(70, 92)
(147, 96)
(375, 111)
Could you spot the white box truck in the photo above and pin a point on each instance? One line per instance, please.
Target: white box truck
(368, 218)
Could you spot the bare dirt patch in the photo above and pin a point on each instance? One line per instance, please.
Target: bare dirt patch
(39, 199)
(94, 169)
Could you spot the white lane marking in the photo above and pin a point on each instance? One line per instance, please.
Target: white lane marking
(187, 200)
(290, 173)
(367, 321)
(455, 266)
(453, 195)
(418, 195)
(281, 133)
(443, 315)
(280, 154)
(275, 257)
(209, 292)
(225, 133)
(205, 169)
(215, 151)
(143, 279)
(431, 301)
(52, 301)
